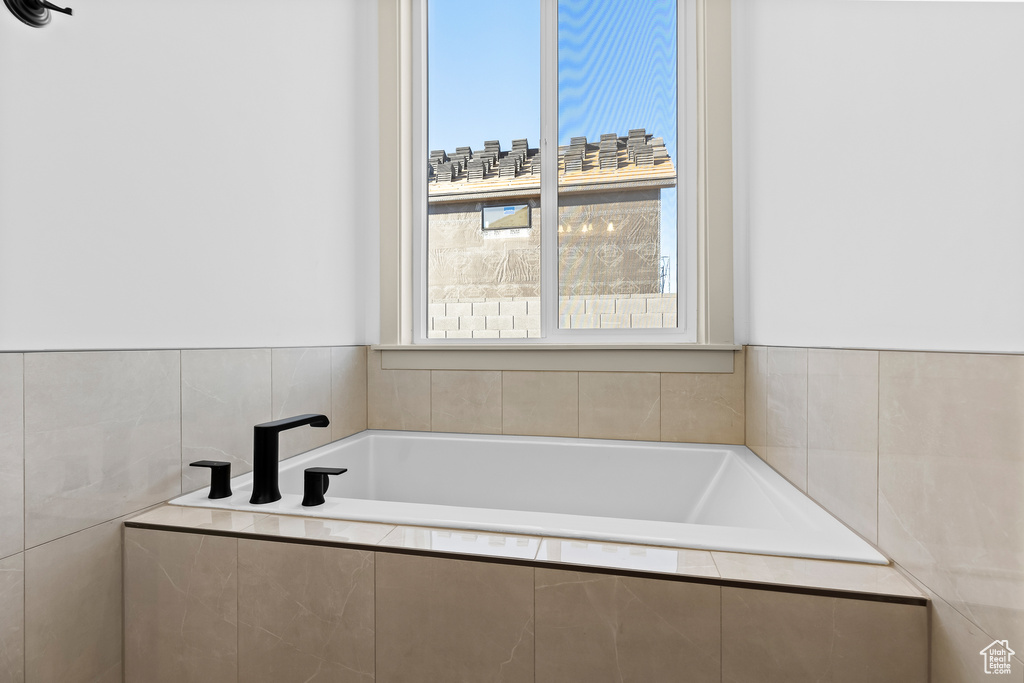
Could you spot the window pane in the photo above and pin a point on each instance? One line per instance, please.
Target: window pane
(483, 185)
(616, 173)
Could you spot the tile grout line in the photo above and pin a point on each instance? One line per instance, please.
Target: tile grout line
(878, 443)
(238, 600)
(181, 425)
(807, 417)
(24, 524)
(764, 395)
(721, 625)
(24, 462)
(330, 393)
(376, 624)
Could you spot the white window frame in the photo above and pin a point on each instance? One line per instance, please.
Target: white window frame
(686, 166)
(708, 155)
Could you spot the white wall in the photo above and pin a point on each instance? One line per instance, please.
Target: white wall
(182, 174)
(881, 149)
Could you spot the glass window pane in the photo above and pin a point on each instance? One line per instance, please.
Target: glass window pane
(617, 211)
(483, 184)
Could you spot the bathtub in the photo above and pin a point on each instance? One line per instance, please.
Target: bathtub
(679, 495)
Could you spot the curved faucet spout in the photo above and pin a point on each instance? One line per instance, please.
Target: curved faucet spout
(289, 422)
(264, 454)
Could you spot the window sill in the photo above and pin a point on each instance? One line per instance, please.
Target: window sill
(702, 358)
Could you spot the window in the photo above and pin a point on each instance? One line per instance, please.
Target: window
(583, 261)
(574, 241)
(515, 217)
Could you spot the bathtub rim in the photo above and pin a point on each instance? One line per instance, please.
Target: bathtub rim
(837, 541)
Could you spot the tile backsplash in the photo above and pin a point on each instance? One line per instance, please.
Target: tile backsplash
(921, 453)
(102, 437)
(12, 454)
(87, 438)
(220, 387)
(642, 406)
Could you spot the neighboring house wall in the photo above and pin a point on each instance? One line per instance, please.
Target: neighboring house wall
(623, 261)
(465, 263)
(486, 282)
(609, 267)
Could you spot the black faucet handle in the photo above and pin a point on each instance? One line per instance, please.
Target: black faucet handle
(220, 476)
(315, 483)
(50, 6)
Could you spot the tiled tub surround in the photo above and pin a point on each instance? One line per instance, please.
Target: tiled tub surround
(215, 595)
(643, 406)
(87, 438)
(922, 453)
(684, 495)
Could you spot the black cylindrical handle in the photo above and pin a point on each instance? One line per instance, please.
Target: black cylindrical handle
(315, 483)
(220, 476)
(51, 6)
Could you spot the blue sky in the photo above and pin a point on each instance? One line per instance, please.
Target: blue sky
(484, 72)
(616, 70)
(616, 64)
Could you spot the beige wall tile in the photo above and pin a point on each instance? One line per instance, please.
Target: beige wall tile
(540, 403)
(102, 437)
(466, 401)
(842, 435)
(453, 621)
(224, 392)
(842, 400)
(620, 405)
(396, 399)
(786, 416)
(301, 384)
(846, 484)
(704, 407)
(595, 627)
(790, 463)
(180, 606)
(756, 399)
(12, 619)
(348, 390)
(305, 613)
(774, 637)
(73, 604)
(957, 645)
(12, 455)
(950, 476)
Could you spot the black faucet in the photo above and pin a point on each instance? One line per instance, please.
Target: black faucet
(264, 454)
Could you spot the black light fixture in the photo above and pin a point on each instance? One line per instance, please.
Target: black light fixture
(35, 13)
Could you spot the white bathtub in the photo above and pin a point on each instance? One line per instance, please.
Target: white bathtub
(679, 495)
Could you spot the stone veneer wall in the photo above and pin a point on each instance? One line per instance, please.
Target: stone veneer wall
(520, 317)
(87, 439)
(922, 454)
